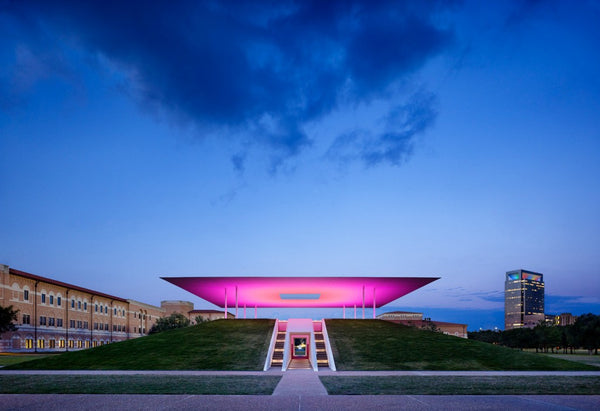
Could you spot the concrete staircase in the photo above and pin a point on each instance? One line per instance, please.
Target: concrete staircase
(322, 360)
(277, 358)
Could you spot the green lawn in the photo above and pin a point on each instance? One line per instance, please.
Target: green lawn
(479, 385)
(137, 384)
(582, 358)
(382, 345)
(10, 358)
(214, 345)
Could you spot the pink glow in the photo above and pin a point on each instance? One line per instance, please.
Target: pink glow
(334, 291)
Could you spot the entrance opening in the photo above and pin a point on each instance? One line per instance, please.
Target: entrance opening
(300, 346)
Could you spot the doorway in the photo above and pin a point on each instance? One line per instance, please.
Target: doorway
(300, 346)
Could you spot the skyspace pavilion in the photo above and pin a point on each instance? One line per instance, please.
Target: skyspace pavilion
(300, 343)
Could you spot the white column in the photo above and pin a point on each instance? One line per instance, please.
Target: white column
(236, 303)
(225, 303)
(373, 302)
(363, 317)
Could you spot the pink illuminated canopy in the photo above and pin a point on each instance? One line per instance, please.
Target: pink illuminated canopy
(297, 292)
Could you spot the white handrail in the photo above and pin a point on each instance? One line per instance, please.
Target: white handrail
(313, 352)
(328, 346)
(271, 346)
(286, 352)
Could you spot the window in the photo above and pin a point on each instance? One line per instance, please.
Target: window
(51, 321)
(52, 344)
(72, 303)
(79, 324)
(71, 324)
(61, 343)
(85, 306)
(79, 305)
(29, 343)
(26, 319)
(106, 309)
(26, 295)
(43, 299)
(58, 301)
(59, 322)
(96, 307)
(51, 299)
(106, 326)
(79, 343)
(71, 343)
(95, 326)
(40, 343)
(85, 325)
(42, 320)
(115, 312)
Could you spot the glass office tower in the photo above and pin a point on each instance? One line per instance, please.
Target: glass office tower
(523, 299)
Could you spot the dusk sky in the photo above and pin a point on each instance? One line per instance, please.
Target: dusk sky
(299, 138)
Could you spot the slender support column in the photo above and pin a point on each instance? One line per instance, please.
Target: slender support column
(236, 303)
(225, 313)
(344, 308)
(355, 311)
(255, 311)
(363, 314)
(244, 311)
(373, 302)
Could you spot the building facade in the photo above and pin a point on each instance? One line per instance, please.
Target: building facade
(56, 316)
(416, 320)
(523, 299)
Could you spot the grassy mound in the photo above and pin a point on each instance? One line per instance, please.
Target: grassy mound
(215, 345)
(382, 345)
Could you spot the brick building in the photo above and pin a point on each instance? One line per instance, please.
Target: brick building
(416, 320)
(57, 316)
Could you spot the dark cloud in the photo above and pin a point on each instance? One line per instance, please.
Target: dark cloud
(262, 67)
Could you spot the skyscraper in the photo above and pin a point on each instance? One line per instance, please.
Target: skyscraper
(523, 299)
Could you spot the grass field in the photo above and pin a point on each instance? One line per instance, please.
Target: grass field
(10, 358)
(484, 385)
(582, 358)
(137, 384)
(214, 345)
(381, 345)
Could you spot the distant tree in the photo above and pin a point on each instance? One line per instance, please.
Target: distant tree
(429, 326)
(7, 316)
(199, 319)
(488, 336)
(175, 320)
(519, 338)
(587, 332)
(546, 336)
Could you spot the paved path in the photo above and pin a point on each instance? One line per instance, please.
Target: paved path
(320, 373)
(97, 402)
(300, 383)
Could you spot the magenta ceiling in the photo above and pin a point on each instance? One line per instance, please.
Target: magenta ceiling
(300, 291)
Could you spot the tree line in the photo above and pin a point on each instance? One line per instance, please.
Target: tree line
(584, 333)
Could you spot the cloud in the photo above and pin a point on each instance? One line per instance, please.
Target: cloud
(395, 143)
(264, 68)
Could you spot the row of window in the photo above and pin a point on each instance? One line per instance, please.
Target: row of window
(41, 343)
(58, 322)
(50, 299)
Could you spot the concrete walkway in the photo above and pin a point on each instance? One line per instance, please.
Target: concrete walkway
(300, 383)
(98, 402)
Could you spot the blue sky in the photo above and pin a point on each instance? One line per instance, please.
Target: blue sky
(451, 139)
